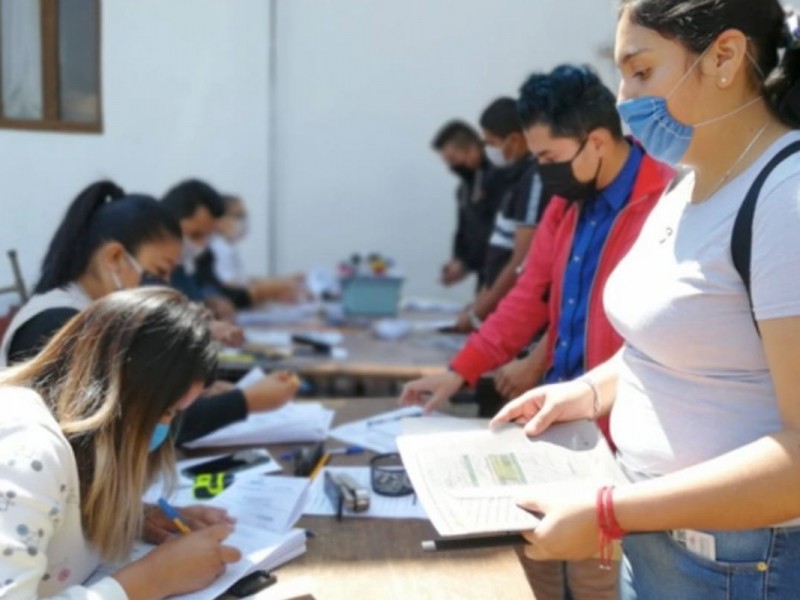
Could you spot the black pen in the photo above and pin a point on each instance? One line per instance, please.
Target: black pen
(471, 543)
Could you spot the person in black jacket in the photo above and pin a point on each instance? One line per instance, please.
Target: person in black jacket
(517, 183)
(460, 147)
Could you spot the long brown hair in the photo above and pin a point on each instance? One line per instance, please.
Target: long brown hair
(108, 377)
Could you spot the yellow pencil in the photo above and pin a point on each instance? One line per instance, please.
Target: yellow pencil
(322, 462)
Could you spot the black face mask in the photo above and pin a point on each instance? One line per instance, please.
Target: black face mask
(463, 172)
(559, 179)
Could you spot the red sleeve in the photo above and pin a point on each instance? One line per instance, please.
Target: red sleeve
(523, 312)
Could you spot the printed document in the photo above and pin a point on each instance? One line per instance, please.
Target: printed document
(470, 480)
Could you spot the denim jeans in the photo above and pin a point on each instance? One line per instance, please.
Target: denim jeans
(761, 564)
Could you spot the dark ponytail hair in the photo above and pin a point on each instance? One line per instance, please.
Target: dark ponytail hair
(697, 23)
(102, 213)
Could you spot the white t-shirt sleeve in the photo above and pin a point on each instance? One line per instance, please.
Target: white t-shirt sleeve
(775, 262)
(32, 506)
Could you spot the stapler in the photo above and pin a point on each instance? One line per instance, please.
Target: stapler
(344, 492)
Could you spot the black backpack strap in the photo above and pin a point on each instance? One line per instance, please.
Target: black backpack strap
(742, 238)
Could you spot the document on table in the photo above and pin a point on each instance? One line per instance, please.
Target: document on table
(295, 422)
(260, 550)
(278, 314)
(274, 502)
(470, 480)
(379, 432)
(265, 508)
(261, 501)
(380, 507)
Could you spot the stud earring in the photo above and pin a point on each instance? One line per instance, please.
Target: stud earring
(723, 80)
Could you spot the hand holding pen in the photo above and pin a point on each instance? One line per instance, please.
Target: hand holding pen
(182, 564)
(160, 525)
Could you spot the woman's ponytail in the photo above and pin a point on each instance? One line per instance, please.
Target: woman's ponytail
(782, 88)
(70, 248)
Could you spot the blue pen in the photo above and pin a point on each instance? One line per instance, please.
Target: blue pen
(336, 451)
(172, 514)
(346, 450)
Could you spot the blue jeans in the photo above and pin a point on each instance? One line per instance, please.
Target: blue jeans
(762, 564)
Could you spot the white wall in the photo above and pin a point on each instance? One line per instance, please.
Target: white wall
(185, 93)
(362, 86)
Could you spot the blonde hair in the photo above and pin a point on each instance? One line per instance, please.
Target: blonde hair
(109, 376)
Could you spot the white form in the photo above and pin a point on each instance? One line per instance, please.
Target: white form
(379, 432)
(294, 422)
(264, 511)
(470, 480)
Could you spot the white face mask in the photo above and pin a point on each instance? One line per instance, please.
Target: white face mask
(115, 279)
(190, 252)
(496, 157)
(238, 230)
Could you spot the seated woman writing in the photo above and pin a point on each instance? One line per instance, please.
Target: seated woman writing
(99, 400)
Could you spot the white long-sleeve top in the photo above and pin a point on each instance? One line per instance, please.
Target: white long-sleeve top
(43, 552)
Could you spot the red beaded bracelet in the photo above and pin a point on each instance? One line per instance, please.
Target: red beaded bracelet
(608, 526)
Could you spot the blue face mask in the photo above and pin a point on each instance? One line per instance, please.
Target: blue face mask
(160, 435)
(664, 137)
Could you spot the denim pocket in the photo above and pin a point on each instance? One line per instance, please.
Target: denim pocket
(750, 557)
(661, 568)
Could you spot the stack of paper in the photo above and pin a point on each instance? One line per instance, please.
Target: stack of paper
(260, 550)
(265, 509)
(296, 422)
(380, 507)
(293, 422)
(470, 481)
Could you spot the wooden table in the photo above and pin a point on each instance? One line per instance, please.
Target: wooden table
(382, 559)
(368, 357)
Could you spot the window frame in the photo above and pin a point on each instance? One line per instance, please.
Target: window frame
(51, 120)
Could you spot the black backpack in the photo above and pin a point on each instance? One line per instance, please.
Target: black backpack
(742, 237)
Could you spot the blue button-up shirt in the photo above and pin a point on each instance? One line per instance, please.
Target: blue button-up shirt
(594, 224)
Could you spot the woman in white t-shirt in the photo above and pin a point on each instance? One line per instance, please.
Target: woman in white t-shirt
(706, 406)
(82, 434)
